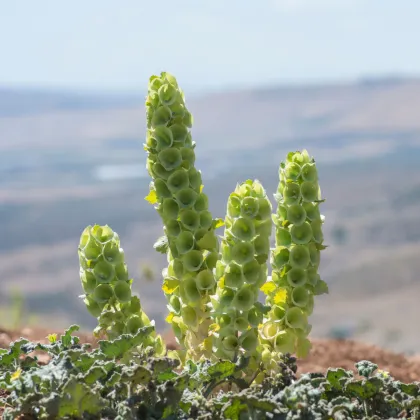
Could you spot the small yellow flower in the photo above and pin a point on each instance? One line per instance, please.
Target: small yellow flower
(383, 373)
(52, 338)
(16, 375)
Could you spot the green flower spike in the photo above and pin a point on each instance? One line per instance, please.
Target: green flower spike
(176, 191)
(295, 259)
(242, 271)
(107, 287)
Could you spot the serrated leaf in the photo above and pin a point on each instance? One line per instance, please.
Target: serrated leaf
(137, 375)
(151, 197)
(260, 403)
(363, 390)
(67, 339)
(120, 346)
(334, 377)
(15, 350)
(321, 288)
(410, 389)
(161, 245)
(77, 399)
(264, 309)
(221, 370)
(94, 374)
(233, 409)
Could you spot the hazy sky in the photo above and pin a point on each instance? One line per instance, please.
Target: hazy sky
(117, 45)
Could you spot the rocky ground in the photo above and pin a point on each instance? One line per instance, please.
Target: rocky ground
(325, 353)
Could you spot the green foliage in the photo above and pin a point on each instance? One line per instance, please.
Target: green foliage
(102, 383)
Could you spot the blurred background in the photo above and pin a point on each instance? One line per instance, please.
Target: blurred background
(338, 77)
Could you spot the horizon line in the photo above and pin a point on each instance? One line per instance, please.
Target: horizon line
(389, 78)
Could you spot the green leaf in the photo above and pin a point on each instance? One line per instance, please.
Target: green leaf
(265, 309)
(120, 346)
(137, 375)
(366, 368)
(67, 339)
(94, 374)
(363, 390)
(335, 377)
(410, 389)
(221, 370)
(162, 245)
(233, 409)
(77, 399)
(260, 403)
(321, 288)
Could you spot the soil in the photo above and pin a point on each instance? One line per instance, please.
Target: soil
(324, 354)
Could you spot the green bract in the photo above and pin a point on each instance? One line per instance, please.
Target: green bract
(176, 192)
(295, 260)
(107, 286)
(241, 271)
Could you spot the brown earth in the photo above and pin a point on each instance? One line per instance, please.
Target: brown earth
(325, 353)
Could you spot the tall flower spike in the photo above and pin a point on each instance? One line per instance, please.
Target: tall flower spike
(176, 191)
(242, 271)
(107, 286)
(295, 259)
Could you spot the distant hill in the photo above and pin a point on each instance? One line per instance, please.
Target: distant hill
(19, 102)
(365, 137)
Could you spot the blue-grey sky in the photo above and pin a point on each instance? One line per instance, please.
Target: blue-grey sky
(117, 45)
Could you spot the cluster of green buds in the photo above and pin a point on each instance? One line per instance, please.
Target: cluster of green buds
(242, 270)
(295, 260)
(177, 193)
(107, 286)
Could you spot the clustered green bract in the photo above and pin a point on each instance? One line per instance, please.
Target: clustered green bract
(227, 337)
(241, 271)
(295, 259)
(213, 296)
(107, 286)
(115, 382)
(176, 191)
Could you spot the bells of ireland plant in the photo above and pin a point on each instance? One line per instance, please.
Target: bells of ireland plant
(295, 259)
(176, 191)
(107, 287)
(242, 270)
